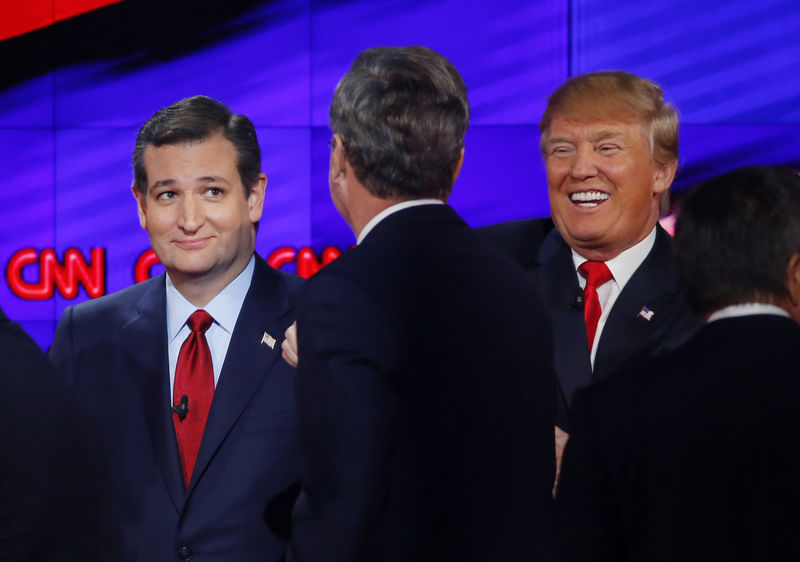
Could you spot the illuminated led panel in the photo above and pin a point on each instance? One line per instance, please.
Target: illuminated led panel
(260, 67)
(719, 61)
(708, 150)
(27, 218)
(94, 206)
(26, 15)
(512, 54)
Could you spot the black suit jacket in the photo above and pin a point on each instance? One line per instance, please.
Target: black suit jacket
(691, 456)
(54, 495)
(114, 351)
(425, 401)
(627, 337)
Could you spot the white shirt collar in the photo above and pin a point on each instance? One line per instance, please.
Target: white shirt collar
(393, 209)
(747, 309)
(624, 265)
(224, 307)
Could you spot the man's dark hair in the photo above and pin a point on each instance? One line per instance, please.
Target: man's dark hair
(735, 236)
(402, 113)
(196, 119)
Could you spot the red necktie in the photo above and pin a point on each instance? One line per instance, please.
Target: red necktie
(194, 388)
(596, 273)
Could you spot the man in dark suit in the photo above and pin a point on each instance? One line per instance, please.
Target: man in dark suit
(610, 146)
(53, 479)
(693, 455)
(182, 371)
(425, 384)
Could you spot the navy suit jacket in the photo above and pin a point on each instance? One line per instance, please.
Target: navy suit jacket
(53, 480)
(627, 336)
(691, 456)
(426, 403)
(114, 351)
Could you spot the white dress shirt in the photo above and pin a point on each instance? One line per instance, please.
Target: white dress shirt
(224, 309)
(622, 267)
(747, 309)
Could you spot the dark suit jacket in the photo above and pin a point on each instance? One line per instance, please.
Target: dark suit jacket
(114, 350)
(53, 480)
(692, 456)
(627, 337)
(425, 401)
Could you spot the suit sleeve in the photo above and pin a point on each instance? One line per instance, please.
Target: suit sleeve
(346, 404)
(54, 489)
(61, 350)
(587, 521)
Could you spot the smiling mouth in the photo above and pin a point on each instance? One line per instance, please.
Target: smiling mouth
(588, 198)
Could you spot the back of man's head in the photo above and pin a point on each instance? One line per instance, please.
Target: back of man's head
(402, 113)
(195, 119)
(735, 237)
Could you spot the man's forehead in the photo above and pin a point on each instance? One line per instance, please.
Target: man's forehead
(214, 156)
(592, 128)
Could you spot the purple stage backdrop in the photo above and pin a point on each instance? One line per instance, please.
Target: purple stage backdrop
(74, 95)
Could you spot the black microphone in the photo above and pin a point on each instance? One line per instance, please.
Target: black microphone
(577, 303)
(182, 408)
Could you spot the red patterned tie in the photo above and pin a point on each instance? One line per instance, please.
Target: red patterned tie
(194, 388)
(596, 273)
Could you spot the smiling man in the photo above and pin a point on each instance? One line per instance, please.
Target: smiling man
(610, 146)
(182, 372)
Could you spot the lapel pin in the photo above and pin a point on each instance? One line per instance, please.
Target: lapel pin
(268, 340)
(646, 313)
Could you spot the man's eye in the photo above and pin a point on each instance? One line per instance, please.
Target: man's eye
(214, 191)
(561, 150)
(607, 148)
(165, 195)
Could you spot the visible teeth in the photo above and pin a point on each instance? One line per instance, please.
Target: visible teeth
(587, 196)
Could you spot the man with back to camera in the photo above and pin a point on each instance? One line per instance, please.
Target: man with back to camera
(53, 476)
(693, 455)
(425, 386)
(610, 146)
(183, 371)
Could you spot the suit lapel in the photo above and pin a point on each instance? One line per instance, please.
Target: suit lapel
(144, 344)
(654, 285)
(559, 285)
(247, 361)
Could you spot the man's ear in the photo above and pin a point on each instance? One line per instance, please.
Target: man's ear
(457, 169)
(338, 167)
(255, 201)
(792, 304)
(663, 177)
(140, 206)
(793, 280)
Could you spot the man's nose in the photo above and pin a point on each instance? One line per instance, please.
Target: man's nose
(191, 215)
(584, 164)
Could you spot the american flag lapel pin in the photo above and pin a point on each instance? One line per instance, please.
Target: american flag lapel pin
(268, 340)
(646, 313)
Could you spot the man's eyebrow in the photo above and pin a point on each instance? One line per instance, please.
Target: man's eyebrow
(162, 183)
(214, 179)
(557, 139)
(204, 179)
(605, 134)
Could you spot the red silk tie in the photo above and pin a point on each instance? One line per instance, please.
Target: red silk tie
(596, 273)
(194, 379)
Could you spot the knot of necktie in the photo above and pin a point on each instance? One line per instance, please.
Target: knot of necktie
(199, 321)
(595, 272)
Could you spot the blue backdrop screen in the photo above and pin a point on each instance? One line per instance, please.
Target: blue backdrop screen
(76, 92)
